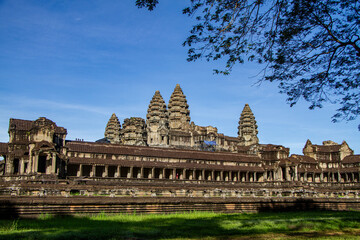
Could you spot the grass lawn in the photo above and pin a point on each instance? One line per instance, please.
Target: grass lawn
(196, 225)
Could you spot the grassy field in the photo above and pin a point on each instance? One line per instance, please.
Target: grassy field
(196, 225)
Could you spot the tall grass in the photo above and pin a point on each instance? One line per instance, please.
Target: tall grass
(194, 225)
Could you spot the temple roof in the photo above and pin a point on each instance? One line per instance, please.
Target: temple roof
(89, 147)
(273, 148)
(27, 125)
(303, 159)
(351, 159)
(327, 148)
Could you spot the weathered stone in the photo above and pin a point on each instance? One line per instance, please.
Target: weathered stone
(38, 162)
(157, 123)
(134, 131)
(247, 130)
(179, 113)
(112, 130)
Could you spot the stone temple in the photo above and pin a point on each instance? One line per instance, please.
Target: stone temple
(167, 155)
(170, 127)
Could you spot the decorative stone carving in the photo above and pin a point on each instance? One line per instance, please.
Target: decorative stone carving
(157, 124)
(179, 113)
(112, 130)
(247, 128)
(134, 131)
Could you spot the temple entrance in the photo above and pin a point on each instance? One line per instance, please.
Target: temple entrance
(111, 171)
(136, 172)
(42, 164)
(179, 174)
(283, 174)
(217, 175)
(86, 169)
(25, 167)
(198, 175)
(99, 170)
(72, 169)
(16, 166)
(147, 173)
(208, 175)
(168, 173)
(158, 173)
(125, 172)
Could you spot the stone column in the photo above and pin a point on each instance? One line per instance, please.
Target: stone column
(254, 177)
(221, 175)
(106, 171)
(296, 173)
(203, 175)
(30, 164)
(184, 174)
(287, 177)
(79, 172)
(163, 175)
(174, 174)
(93, 171)
(142, 172)
(130, 175)
(53, 163)
(118, 171)
(230, 176)
(213, 175)
(36, 163)
(226, 175)
(247, 177)
(21, 166)
(153, 172)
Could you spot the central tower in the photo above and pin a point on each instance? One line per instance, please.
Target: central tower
(179, 113)
(157, 125)
(247, 128)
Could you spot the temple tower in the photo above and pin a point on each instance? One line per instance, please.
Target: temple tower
(179, 113)
(247, 128)
(157, 123)
(112, 130)
(134, 131)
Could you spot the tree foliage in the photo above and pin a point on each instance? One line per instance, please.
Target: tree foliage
(311, 48)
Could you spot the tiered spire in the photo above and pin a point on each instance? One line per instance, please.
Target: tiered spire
(247, 127)
(157, 109)
(157, 123)
(179, 113)
(112, 130)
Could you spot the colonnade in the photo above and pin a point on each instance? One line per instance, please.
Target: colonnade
(37, 163)
(110, 171)
(113, 171)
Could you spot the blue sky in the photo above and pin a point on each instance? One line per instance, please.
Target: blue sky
(77, 62)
